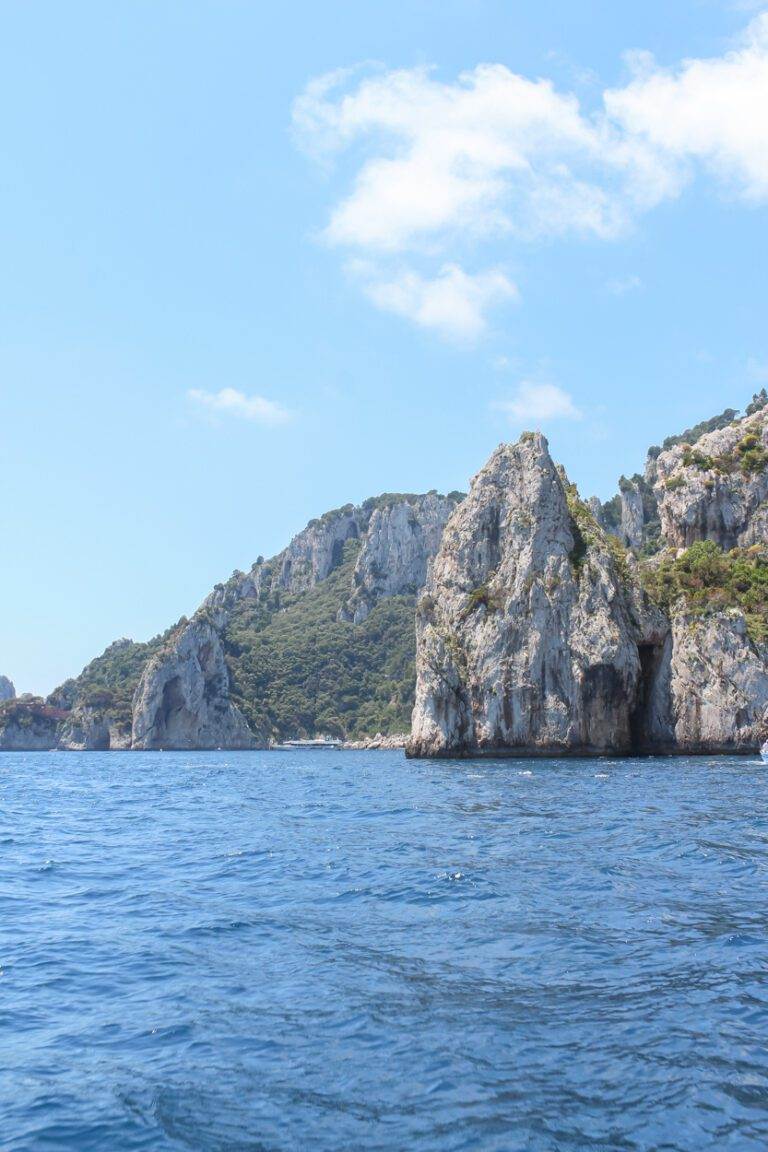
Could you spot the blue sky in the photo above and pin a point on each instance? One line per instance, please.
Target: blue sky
(234, 294)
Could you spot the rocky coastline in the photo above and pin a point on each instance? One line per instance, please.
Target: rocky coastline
(544, 624)
(547, 629)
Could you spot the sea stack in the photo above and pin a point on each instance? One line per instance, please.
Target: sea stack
(541, 632)
(529, 629)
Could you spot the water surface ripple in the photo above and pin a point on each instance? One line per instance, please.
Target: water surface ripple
(332, 950)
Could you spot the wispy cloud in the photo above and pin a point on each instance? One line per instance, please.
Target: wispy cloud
(537, 403)
(624, 284)
(493, 152)
(230, 402)
(452, 303)
(495, 157)
(710, 112)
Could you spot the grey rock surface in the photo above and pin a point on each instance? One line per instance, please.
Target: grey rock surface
(182, 700)
(719, 684)
(526, 640)
(713, 497)
(398, 544)
(85, 730)
(522, 651)
(28, 725)
(632, 517)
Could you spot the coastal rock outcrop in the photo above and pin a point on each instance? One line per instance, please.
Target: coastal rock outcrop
(378, 743)
(7, 690)
(28, 724)
(719, 684)
(716, 488)
(535, 634)
(87, 729)
(182, 700)
(527, 641)
(400, 540)
(184, 696)
(546, 624)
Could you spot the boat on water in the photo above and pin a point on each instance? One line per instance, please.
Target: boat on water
(320, 743)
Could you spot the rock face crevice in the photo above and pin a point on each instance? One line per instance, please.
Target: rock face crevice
(650, 723)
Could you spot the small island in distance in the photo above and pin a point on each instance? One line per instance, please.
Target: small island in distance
(519, 620)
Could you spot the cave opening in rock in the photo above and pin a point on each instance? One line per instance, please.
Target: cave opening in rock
(172, 709)
(337, 555)
(650, 659)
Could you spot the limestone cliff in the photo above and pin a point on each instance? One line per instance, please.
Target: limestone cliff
(176, 690)
(399, 541)
(535, 634)
(716, 487)
(314, 553)
(719, 684)
(632, 516)
(87, 729)
(528, 636)
(398, 536)
(98, 704)
(184, 698)
(28, 724)
(546, 625)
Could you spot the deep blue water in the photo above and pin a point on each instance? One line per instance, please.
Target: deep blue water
(347, 951)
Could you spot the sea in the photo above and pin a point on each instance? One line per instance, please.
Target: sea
(332, 950)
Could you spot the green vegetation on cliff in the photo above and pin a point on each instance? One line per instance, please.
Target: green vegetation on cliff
(711, 580)
(26, 711)
(109, 681)
(587, 533)
(610, 511)
(691, 435)
(748, 456)
(298, 670)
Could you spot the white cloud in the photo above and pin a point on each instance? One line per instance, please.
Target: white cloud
(538, 403)
(230, 402)
(624, 284)
(494, 152)
(452, 303)
(714, 111)
(440, 168)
